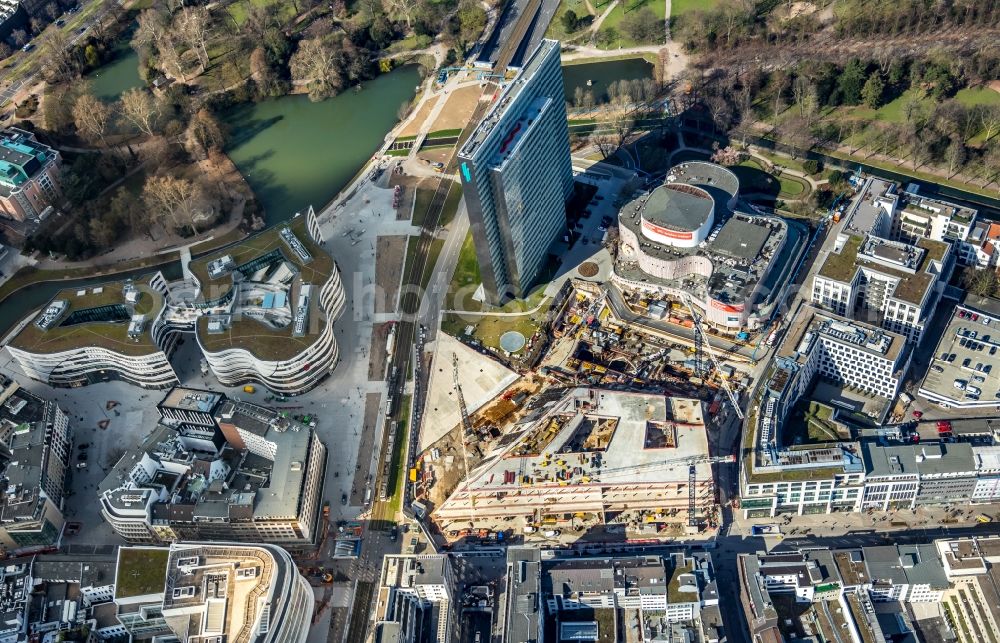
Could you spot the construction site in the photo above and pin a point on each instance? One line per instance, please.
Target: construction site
(608, 434)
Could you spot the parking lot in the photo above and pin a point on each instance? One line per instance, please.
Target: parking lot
(964, 368)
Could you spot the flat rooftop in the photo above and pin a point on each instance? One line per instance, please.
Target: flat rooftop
(507, 97)
(191, 399)
(648, 429)
(967, 351)
(269, 250)
(141, 571)
(871, 206)
(94, 316)
(812, 323)
(718, 181)
(675, 206)
(913, 269)
(741, 248)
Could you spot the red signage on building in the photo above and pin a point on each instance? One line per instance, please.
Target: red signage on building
(726, 307)
(670, 234)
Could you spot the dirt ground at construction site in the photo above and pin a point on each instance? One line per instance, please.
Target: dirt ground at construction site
(446, 458)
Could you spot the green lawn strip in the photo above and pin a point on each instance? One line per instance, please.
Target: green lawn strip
(403, 139)
(917, 174)
(680, 7)
(466, 277)
(651, 58)
(967, 636)
(428, 148)
(489, 328)
(421, 201)
(444, 133)
(399, 152)
(397, 469)
(450, 204)
(28, 275)
(411, 249)
(432, 256)
(623, 8)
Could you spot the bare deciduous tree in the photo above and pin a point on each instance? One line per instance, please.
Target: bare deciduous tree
(403, 8)
(138, 107)
(92, 118)
(175, 199)
(192, 25)
(57, 61)
(313, 63)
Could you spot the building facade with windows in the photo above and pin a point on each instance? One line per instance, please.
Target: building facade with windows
(887, 283)
(37, 440)
(266, 485)
(29, 174)
(416, 600)
(517, 175)
(97, 334)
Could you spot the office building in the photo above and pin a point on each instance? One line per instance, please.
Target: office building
(29, 174)
(964, 369)
(638, 456)
(904, 476)
(669, 597)
(843, 587)
(416, 600)
(72, 595)
(516, 176)
(95, 334)
(683, 242)
(15, 596)
(262, 483)
(199, 592)
(262, 312)
(886, 273)
(36, 443)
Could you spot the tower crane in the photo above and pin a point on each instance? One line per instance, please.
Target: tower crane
(467, 431)
(692, 463)
(700, 334)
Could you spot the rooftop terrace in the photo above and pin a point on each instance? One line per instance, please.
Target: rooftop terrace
(283, 336)
(94, 316)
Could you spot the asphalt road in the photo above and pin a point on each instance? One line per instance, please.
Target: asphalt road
(8, 93)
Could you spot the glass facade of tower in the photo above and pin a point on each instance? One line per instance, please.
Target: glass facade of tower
(516, 173)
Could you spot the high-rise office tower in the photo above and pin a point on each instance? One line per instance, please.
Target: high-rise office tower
(517, 175)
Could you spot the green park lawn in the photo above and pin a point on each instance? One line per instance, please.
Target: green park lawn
(622, 9)
(555, 30)
(680, 7)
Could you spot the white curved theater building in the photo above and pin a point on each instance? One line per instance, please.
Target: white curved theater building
(683, 239)
(262, 311)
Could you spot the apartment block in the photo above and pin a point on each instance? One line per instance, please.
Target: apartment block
(29, 174)
(416, 600)
(516, 174)
(36, 452)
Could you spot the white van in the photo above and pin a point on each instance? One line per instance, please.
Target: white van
(960, 384)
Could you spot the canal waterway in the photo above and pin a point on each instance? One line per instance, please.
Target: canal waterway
(295, 153)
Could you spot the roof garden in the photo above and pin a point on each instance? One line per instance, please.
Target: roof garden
(96, 315)
(141, 571)
(674, 593)
(314, 266)
(911, 288)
